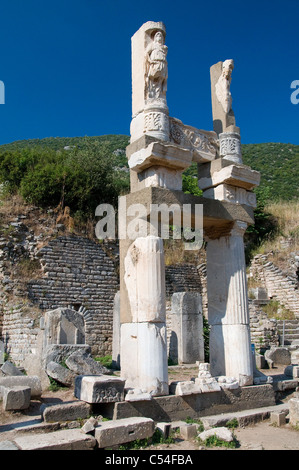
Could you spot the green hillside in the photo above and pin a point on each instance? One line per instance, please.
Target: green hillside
(277, 162)
(279, 168)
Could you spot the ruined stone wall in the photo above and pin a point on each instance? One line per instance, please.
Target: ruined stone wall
(263, 331)
(20, 328)
(79, 273)
(182, 278)
(279, 286)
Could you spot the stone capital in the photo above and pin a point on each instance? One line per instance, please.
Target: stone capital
(230, 146)
(239, 228)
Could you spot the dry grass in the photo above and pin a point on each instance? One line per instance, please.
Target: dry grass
(287, 239)
(11, 207)
(175, 253)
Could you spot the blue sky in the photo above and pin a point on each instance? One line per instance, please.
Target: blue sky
(66, 64)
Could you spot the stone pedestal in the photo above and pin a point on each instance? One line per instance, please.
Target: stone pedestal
(116, 331)
(230, 344)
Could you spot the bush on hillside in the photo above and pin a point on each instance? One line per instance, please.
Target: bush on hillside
(80, 178)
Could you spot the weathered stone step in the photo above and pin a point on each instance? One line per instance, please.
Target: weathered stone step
(70, 439)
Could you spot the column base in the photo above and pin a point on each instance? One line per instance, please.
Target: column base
(230, 352)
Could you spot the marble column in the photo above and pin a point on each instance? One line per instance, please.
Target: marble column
(143, 338)
(228, 312)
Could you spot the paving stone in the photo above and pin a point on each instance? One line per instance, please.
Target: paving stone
(8, 445)
(71, 439)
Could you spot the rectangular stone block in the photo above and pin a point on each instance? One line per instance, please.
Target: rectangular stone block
(16, 398)
(188, 431)
(279, 419)
(23, 380)
(235, 175)
(99, 388)
(123, 430)
(69, 411)
(71, 439)
(186, 341)
(294, 411)
(164, 154)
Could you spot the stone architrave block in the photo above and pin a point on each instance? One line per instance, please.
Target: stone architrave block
(99, 389)
(16, 398)
(202, 144)
(125, 430)
(235, 175)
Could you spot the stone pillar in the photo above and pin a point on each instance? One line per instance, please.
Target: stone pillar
(149, 82)
(116, 331)
(187, 327)
(1, 352)
(223, 115)
(143, 331)
(228, 311)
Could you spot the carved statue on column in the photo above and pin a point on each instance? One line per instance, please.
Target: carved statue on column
(223, 85)
(156, 70)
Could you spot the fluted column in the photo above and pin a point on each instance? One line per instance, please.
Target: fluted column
(230, 344)
(143, 339)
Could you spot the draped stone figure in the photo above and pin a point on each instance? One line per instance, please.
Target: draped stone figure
(223, 85)
(156, 69)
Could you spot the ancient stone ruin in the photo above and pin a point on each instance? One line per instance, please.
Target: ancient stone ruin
(148, 329)
(161, 148)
